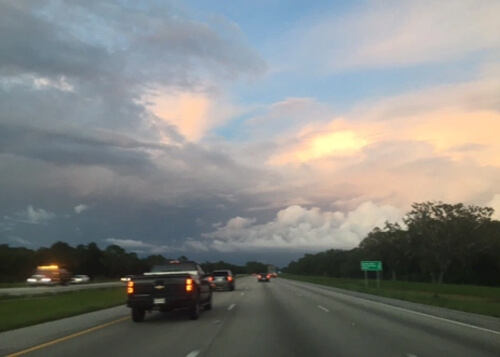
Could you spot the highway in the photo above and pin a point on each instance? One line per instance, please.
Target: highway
(43, 290)
(280, 318)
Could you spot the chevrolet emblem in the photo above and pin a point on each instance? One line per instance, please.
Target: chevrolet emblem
(159, 287)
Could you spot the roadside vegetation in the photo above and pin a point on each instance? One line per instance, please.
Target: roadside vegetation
(101, 265)
(23, 311)
(435, 242)
(440, 254)
(474, 299)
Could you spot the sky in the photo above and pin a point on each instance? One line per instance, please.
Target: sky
(248, 130)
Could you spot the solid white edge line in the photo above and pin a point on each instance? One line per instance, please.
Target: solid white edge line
(323, 308)
(415, 312)
(438, 318)
(231, 307)
(193, 353)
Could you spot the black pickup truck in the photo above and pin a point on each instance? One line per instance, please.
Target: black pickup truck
(173, 285)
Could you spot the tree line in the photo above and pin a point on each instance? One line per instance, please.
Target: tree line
(435, 241)
(17, 264)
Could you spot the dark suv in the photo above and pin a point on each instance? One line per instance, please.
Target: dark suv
(263, 277)
(223, 279)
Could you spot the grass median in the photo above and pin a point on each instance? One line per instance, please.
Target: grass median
(21, 312)
(469, 298)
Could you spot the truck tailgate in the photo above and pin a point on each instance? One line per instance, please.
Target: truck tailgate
(172, 285)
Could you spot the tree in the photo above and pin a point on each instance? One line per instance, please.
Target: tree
(153, 260)
(442, 232)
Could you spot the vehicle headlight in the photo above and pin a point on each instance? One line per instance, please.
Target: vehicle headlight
(31, 280)
(46, 280)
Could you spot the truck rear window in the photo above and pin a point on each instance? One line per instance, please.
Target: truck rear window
(180, 266)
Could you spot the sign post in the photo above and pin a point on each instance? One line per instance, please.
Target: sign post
(375, 266)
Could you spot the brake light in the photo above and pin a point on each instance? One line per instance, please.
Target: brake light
(189, 284)
(210, 278)
(229, 278)
(260, 276)
(130, 287)
(268, 276)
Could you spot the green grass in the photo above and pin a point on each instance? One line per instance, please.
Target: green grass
(25, 312)
(13, 285)
(469, 298)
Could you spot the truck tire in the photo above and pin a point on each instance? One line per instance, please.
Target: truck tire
(208, 305)
(194, 311)
(138, 314)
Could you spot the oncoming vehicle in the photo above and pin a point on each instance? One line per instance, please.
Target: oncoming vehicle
(49, 275)
(173, 285)
(263, 277)
(223, 279)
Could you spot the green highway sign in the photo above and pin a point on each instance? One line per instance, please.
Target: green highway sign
(371, 266)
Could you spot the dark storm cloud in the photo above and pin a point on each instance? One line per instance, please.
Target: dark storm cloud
(75, 128)
(74, 150)
(103, 42)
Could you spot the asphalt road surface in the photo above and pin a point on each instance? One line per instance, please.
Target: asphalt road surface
(42, 290)
(280, 318)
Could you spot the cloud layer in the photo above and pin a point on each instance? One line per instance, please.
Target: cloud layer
(299, 228)
(166, 129)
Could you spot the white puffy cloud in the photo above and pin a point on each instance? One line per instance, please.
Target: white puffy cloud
(80, 208)
(32, 215)
(299, 228)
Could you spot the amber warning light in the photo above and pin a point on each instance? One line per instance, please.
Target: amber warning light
(130, 287)
(48, 267)
(189, 284)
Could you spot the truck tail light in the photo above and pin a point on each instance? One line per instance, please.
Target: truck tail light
(269, 276)
(229, 278)
(130, 287)
(189, 285)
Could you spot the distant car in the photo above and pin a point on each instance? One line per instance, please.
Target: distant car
(80, 279)
(39, 279)
(263, 277)
(222, 279)
(126, 278)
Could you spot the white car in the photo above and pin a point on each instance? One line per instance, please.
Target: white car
(39, 280)
(79, 279)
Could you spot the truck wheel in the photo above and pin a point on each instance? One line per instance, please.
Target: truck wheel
(194, 311)
(138, 314)
(208, 305)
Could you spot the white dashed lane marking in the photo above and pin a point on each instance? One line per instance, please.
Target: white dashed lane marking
(323, 308)
(231, 307)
